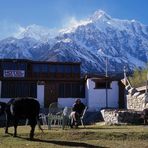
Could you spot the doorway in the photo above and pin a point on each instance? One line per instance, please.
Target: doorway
(51, 93)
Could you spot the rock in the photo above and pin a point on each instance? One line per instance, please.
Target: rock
(117, 117)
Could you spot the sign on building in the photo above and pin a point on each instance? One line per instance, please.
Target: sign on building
(14, 73)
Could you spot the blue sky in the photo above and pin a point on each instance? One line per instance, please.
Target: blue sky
(57, 13)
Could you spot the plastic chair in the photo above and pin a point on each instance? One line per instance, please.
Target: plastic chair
(55, 108)
(66, 116)
(54, 120)
(61, 120)
(43, 119)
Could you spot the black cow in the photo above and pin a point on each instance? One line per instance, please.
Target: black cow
(145, 115)
(21, 108)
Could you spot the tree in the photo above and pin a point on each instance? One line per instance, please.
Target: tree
(139, 77)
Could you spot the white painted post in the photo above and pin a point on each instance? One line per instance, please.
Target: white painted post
(40, 94)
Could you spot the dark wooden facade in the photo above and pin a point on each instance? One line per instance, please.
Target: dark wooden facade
(61, 79)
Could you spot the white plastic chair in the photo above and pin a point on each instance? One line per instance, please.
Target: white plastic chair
(43, 118)
(59, 120)
(55, 108)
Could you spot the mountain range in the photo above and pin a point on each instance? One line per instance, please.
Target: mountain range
(97, 41)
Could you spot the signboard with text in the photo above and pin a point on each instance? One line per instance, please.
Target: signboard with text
(14, 73)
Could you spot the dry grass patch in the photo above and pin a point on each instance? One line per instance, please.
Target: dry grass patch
(91, 136)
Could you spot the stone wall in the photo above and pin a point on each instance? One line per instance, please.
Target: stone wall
(117, 117)
(136, 100)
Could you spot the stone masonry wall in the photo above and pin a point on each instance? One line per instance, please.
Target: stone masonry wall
(117, 117)
(137, 101)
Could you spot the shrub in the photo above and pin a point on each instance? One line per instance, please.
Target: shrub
(139, 77)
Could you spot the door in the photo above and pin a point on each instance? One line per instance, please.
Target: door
(51, 93)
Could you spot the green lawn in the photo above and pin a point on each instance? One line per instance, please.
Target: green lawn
(89, 137)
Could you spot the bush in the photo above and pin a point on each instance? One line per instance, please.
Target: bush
(139, 77)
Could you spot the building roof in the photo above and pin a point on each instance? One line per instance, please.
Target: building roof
(101, 78)
(35, 61)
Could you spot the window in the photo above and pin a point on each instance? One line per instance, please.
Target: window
(67, 69)
(52, 68)
(67, 90)
(75, 69)
(22, 66)
(44, 68)
(60, 68)
(102, 85)
(19, 89)
(40, 68)
(36, 68)
(14, 66)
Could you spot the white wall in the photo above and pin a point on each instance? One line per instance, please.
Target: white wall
(96, 98)
(69, 101)
(40, 94)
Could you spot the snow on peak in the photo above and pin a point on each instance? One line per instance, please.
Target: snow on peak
(133, 21)
(37, 32)
(100, 15)
(73, 24)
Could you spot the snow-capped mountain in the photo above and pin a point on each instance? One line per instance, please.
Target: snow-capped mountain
(37, 32)
(90, 41)
(25, 48)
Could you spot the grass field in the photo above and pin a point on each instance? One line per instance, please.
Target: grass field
(90, 137)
